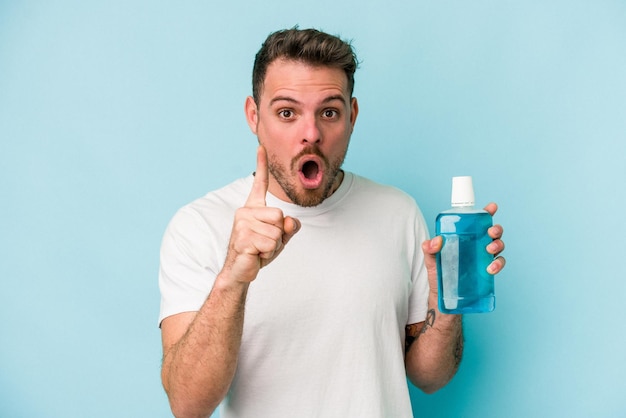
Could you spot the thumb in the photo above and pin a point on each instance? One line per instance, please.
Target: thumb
(431, 248)
(256, 198)
(291, 226)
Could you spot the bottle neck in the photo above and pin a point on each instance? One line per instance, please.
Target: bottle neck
(464, 209)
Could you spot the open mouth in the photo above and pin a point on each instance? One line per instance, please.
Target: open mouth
(310, 169)
(311, 172)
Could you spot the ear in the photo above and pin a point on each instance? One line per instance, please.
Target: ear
(354, 111)
(252, 114)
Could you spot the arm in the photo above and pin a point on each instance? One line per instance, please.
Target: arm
(434, 347)
(200, 349)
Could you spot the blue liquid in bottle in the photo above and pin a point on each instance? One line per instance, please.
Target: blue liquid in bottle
(464, 284)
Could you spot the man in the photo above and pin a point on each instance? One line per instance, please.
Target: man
(334, 274)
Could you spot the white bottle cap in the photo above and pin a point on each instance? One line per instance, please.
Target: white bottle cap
(462, 191)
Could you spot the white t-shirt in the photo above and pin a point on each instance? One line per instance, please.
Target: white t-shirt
(325, 322)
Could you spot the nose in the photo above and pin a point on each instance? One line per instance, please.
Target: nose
(311, 133)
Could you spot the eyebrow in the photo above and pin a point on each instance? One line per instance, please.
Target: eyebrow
(292, 100)
(283, 99)
(335, 97)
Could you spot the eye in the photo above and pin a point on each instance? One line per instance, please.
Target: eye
(330, 114)
(286, 113)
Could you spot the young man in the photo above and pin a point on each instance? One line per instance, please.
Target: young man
(334, 274)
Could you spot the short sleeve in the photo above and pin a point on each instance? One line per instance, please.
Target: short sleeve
(418, 299)
(186, 272)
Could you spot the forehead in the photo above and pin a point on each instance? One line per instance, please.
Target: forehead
(295, 77)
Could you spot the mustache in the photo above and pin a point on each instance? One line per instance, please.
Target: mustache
(308, 151)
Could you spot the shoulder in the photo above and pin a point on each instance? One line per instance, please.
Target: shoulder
(388, 204)
(224, 200)
(227, 198)
(384, 194)
(211, 210)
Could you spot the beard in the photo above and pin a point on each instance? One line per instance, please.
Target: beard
(287, 178)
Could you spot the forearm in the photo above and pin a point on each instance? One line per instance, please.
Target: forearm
(435, 355)
(199, 368)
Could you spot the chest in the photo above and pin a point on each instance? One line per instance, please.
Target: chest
(334, 273)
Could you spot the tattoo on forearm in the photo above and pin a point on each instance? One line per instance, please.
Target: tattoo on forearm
(413, 331)
(430, 320)
(411, 335)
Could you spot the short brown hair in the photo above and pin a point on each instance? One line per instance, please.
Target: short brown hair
(310, 46)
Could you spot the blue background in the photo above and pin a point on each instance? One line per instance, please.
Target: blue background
(114, 114)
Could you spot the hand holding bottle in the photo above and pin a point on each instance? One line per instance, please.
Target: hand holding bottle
(432, 246)
(464, 249)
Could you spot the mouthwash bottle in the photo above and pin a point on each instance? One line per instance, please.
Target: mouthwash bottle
(464, 284)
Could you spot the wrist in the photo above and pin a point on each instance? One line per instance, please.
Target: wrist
(224, 283)
(446, 319)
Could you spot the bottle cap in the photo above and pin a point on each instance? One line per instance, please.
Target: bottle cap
(462, 191)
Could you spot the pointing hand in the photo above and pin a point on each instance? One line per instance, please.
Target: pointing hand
(259, 232)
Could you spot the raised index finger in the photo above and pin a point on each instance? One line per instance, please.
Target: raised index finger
(261, 180)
